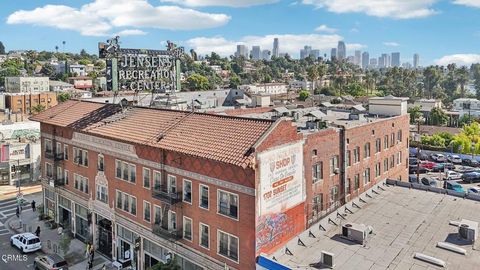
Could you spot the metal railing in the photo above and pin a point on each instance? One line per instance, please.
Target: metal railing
(163, 194)
(164, 232)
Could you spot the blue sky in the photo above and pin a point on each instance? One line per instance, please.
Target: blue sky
(441, 31)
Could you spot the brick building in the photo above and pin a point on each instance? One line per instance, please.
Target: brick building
(24, 102)
(212, 190)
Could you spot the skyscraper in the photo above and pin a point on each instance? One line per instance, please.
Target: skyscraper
(341, 50)
(266, 55)
(256, 53)
(276, 48)
(373, 62)
(382, 60)
(315, 54)
(305, 52)
(416, 60)
(358, 58)
(333, 53)
(365, 59)
(395, 59)
(242, 50)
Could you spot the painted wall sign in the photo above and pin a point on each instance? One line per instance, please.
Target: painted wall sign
(106, 144)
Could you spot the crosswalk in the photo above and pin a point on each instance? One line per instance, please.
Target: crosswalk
(8, 208)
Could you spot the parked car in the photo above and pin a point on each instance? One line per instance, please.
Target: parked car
(412, 178)
(430, 181)
(412, 161)
(470, 162)
(439, 167)
(453, 175)
(427, 164)
(452, 185)
(471, 177)
(50, 262)
(421, 155)
(474, 190)
(26, 242)
(454, 159)
(413, 169)
(438, 157)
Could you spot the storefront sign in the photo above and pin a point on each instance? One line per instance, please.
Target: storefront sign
(19, 151)
(106, 144)
(281, 179)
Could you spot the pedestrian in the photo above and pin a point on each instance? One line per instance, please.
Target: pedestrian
(33, 206)
(90, 265)
(92, 253)
(37, 231)
(60, 229)
(18, 212)
(87, 251)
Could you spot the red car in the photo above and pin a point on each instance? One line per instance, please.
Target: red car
(427, 164)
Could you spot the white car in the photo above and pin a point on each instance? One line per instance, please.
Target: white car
(474, 190)
(439, 157)
(452, 175)
(454, 159)
(26, 242)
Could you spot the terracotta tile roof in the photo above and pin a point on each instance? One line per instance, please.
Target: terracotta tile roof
(222, 138)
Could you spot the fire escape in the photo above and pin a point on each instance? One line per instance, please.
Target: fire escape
(55, 156)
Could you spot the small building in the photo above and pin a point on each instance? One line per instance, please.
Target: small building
(59, 86)
(81, 82)
(77, 69)
(388, 106)
(26, 84)
(426, 105)
(467, 106)
(24, 102)
(267, 88)
(297, 84)
(100, 83)
(79, 94)
(261, 101)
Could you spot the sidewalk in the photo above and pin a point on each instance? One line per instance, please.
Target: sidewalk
(7, 192)
(50, 241)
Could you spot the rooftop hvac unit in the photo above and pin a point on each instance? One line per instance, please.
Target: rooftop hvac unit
(356, 232)
(327, 259)
(468, 230)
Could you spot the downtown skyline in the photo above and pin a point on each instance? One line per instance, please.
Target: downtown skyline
(427, 27)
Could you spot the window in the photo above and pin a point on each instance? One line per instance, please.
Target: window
(333, 194)
(392, 161)
(314, 152)
(366, 176)
(146, 177)
(385, 165)
(356, 154)
(125, 171)
(204, 236)
(392, 139)
(203, 196)
(228, 245)
(157, 180)
(81, 183)
(80, 156)
(101, 162)
(377, 169)
(317, 172)
(187, 228)
(356, 181)
(378, 145)
(227, 204)
(158, 215)
(172, 184)
(317, 204)
(48, 170)
(65, 152)
(385, 142)
(399, 158)
(102, 193)
(172, 220)
(348, 158)
(126, 202)
(366, 150)
(187, 191)
(373, 131)
(146, 211)
(347, 185)
(65, 175)
(48, 147)
(399, 136)
(333, 164)
(58, 148)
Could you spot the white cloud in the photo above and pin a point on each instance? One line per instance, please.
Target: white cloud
(398, 9)
(290, 44)
(468, 3)
(391, 44)
(325, 28)
(99, 17)
(220, 3)
(459, 59)
(130, 32)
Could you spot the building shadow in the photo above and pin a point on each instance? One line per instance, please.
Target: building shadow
(454, 238)
(341, 239)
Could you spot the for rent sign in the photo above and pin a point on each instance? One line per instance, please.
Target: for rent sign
(281, 179)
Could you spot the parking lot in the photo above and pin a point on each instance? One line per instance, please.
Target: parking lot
(435, 169)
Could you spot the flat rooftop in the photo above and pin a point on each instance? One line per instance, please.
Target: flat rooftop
(404, 221)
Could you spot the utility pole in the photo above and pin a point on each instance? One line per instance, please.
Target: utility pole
(418, 151)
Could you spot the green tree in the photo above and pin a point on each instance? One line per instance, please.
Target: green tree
(463, 77)
(415, 114)
(235, 81)
(197, 82)
(48, 70)
(312, 75)
(171, 265)
(64, 243)
(84, 62)
(303, 95)
(355, 89)
(431, 78)
(38, 108)
(438, 117)
(2, 48)
(62, 97)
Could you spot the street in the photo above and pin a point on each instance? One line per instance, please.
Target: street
(10, 257)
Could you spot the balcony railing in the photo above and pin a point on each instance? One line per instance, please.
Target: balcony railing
(49, 155)
(59, 156)
(164, 195)
(164, 232)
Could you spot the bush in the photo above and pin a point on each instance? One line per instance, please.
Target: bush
(64, 243)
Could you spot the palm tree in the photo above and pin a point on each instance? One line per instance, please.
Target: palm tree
(56, 48)
(463, 77)
(431, 79)
(312, 75)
